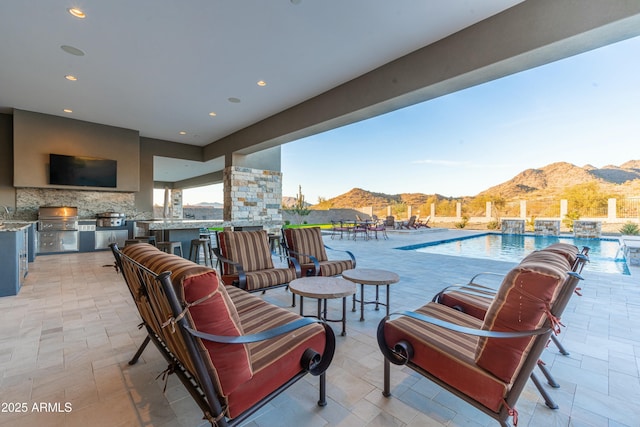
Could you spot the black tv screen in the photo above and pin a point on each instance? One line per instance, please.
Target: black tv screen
(82, 171)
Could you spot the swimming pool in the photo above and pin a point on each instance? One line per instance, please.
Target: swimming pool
(605, 254)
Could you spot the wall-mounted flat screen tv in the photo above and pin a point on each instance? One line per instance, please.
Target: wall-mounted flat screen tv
(82, 171)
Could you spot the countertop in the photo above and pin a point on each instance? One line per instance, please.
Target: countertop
(14, 225)
(179, 224)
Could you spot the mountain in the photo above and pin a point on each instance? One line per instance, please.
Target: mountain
(358, 197)
(289, 202)
(548, 181)
(215, 205)
(553, 179)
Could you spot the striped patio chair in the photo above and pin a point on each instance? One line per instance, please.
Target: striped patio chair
(246, 262)
(486, 362)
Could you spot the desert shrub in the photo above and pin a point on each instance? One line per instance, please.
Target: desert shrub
(569, 218)
(630, 229)
(462, 223)
(493, 225)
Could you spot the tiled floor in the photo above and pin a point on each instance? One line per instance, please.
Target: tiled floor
(66, 338)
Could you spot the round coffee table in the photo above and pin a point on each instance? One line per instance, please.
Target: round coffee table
(324, 288)
(374, 277)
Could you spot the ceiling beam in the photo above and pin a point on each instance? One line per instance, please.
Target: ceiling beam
(530, 34)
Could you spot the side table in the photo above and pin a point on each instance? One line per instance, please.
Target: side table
(323, 288)
(374, 277)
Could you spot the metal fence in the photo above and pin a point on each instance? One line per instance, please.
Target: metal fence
(625, 208)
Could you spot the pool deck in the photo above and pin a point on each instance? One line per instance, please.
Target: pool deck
(68, 334)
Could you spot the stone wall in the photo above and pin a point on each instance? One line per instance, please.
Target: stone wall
(89, 203)
(512, 226)
(546, 227)
(587, 229)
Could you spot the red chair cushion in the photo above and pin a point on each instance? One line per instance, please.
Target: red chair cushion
(520, 304)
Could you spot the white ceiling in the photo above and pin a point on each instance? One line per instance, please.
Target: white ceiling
(161, 66)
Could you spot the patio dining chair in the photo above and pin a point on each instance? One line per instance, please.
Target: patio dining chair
(484, 362)
(378, 226)
(338, 228)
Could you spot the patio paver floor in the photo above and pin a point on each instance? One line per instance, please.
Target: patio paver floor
(67, 337)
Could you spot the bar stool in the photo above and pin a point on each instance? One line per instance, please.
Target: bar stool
(170, 247)
(147, 239)
(194, 251)
(132, 241)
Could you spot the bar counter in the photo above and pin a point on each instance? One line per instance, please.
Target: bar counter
(174, 230)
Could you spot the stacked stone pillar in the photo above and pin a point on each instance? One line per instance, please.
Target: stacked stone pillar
(252, 197)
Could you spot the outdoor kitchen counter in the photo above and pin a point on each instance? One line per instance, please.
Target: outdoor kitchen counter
(177, 224)
(177, 230)
(16, 246)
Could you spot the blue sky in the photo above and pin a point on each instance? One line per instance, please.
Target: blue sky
(583, 110)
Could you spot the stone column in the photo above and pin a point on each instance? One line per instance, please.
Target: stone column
(612, 210)
(252, 197)
(564, 208)
(176, 203)
(487, 212)
(523, 209)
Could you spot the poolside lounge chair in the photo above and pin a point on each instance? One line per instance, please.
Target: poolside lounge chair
(484, 362)
(409, 224)
(422, 223)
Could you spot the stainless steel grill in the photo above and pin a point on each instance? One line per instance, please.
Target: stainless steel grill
(57, 229)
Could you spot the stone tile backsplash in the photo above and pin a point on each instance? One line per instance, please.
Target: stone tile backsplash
(89, 203)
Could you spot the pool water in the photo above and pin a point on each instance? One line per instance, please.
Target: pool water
(604, 256)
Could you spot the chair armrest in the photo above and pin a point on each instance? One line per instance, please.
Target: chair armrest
(401, 354)
(242, 276)
(470, 287)
(296, 264)
(484, 273)
(314, 365)
(316, 264)
(353, 258)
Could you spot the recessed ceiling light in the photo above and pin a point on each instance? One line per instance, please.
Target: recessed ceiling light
(71, 78)
(295, 1)
(68, 110)
(234, 100)
(72, 50)
(78, 13)
(182, 132)
(212, 114)
(262, 83)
